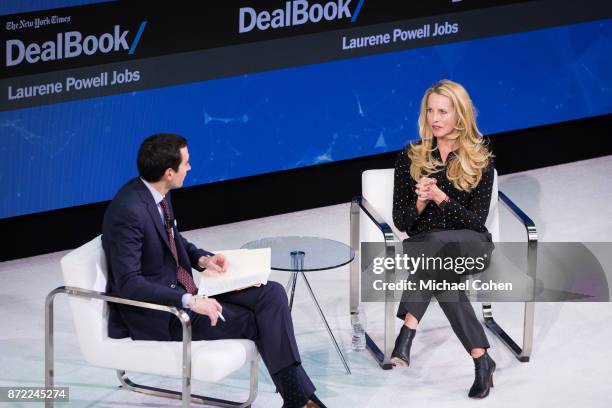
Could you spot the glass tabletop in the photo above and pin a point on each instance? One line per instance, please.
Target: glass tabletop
(318, 253)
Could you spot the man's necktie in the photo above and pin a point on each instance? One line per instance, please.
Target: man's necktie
(182, 275)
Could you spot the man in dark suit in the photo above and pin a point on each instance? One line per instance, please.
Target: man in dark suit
(150, 261)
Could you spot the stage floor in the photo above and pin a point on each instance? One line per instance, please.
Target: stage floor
(571, 363)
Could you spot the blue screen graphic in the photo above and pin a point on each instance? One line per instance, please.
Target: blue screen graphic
(80, 152)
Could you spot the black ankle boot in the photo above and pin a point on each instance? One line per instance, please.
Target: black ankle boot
(401, 351)
(483, 381)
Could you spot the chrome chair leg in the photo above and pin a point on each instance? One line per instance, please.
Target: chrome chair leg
(49, 358)
(199, 399)
(523, 354)
(355, 270)
(383, 357)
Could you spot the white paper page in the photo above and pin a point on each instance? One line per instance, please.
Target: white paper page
(247, 267)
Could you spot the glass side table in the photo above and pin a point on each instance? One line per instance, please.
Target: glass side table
(298, 255)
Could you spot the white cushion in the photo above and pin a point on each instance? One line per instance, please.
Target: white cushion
(377, 188)
(85, 268)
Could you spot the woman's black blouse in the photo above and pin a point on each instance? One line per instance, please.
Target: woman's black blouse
(466, 210)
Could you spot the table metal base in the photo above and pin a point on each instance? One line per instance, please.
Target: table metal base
(297, 259)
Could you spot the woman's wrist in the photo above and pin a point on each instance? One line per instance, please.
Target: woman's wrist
(420, 206)
(441, 198)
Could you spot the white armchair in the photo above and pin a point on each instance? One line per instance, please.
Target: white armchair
(371, 220)
(85, 274)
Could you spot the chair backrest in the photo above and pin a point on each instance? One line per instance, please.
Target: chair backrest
(377, 188)
(85, 267)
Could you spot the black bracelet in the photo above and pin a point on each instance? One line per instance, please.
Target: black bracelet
(444, 202)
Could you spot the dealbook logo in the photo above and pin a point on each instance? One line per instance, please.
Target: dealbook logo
(71, 44)
(296, 12)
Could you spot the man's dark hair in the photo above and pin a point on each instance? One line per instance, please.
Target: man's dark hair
(158, 153)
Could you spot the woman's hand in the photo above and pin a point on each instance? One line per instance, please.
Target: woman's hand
(427, 190)
(424, 188)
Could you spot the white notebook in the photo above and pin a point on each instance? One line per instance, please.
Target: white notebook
(247, 267)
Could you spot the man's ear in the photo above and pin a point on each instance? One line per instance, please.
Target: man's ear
(168, 173)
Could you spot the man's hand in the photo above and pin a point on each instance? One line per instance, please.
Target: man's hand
(217, 263)
(206, 306)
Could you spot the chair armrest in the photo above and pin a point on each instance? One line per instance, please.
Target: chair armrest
(92, 294)
(390, 233)
(532, 234)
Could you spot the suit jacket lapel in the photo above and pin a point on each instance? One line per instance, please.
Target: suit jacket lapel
(154, 212)
(146, 196)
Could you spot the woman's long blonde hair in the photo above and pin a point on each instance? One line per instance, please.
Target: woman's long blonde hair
(471, 157)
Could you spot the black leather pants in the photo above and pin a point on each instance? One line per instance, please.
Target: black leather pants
(454, 303)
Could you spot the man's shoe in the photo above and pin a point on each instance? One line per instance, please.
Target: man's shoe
(316, 402)
(401, 352)
(484, 367)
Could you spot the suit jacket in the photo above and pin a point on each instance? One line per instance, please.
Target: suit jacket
(141, 265)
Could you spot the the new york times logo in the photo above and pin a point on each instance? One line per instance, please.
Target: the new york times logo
(296, 12)
(71, 44)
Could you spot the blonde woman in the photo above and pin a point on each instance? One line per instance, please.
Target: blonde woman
(441, 198)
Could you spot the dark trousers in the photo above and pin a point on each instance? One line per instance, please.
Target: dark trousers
(455, 304)
(260, 314)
